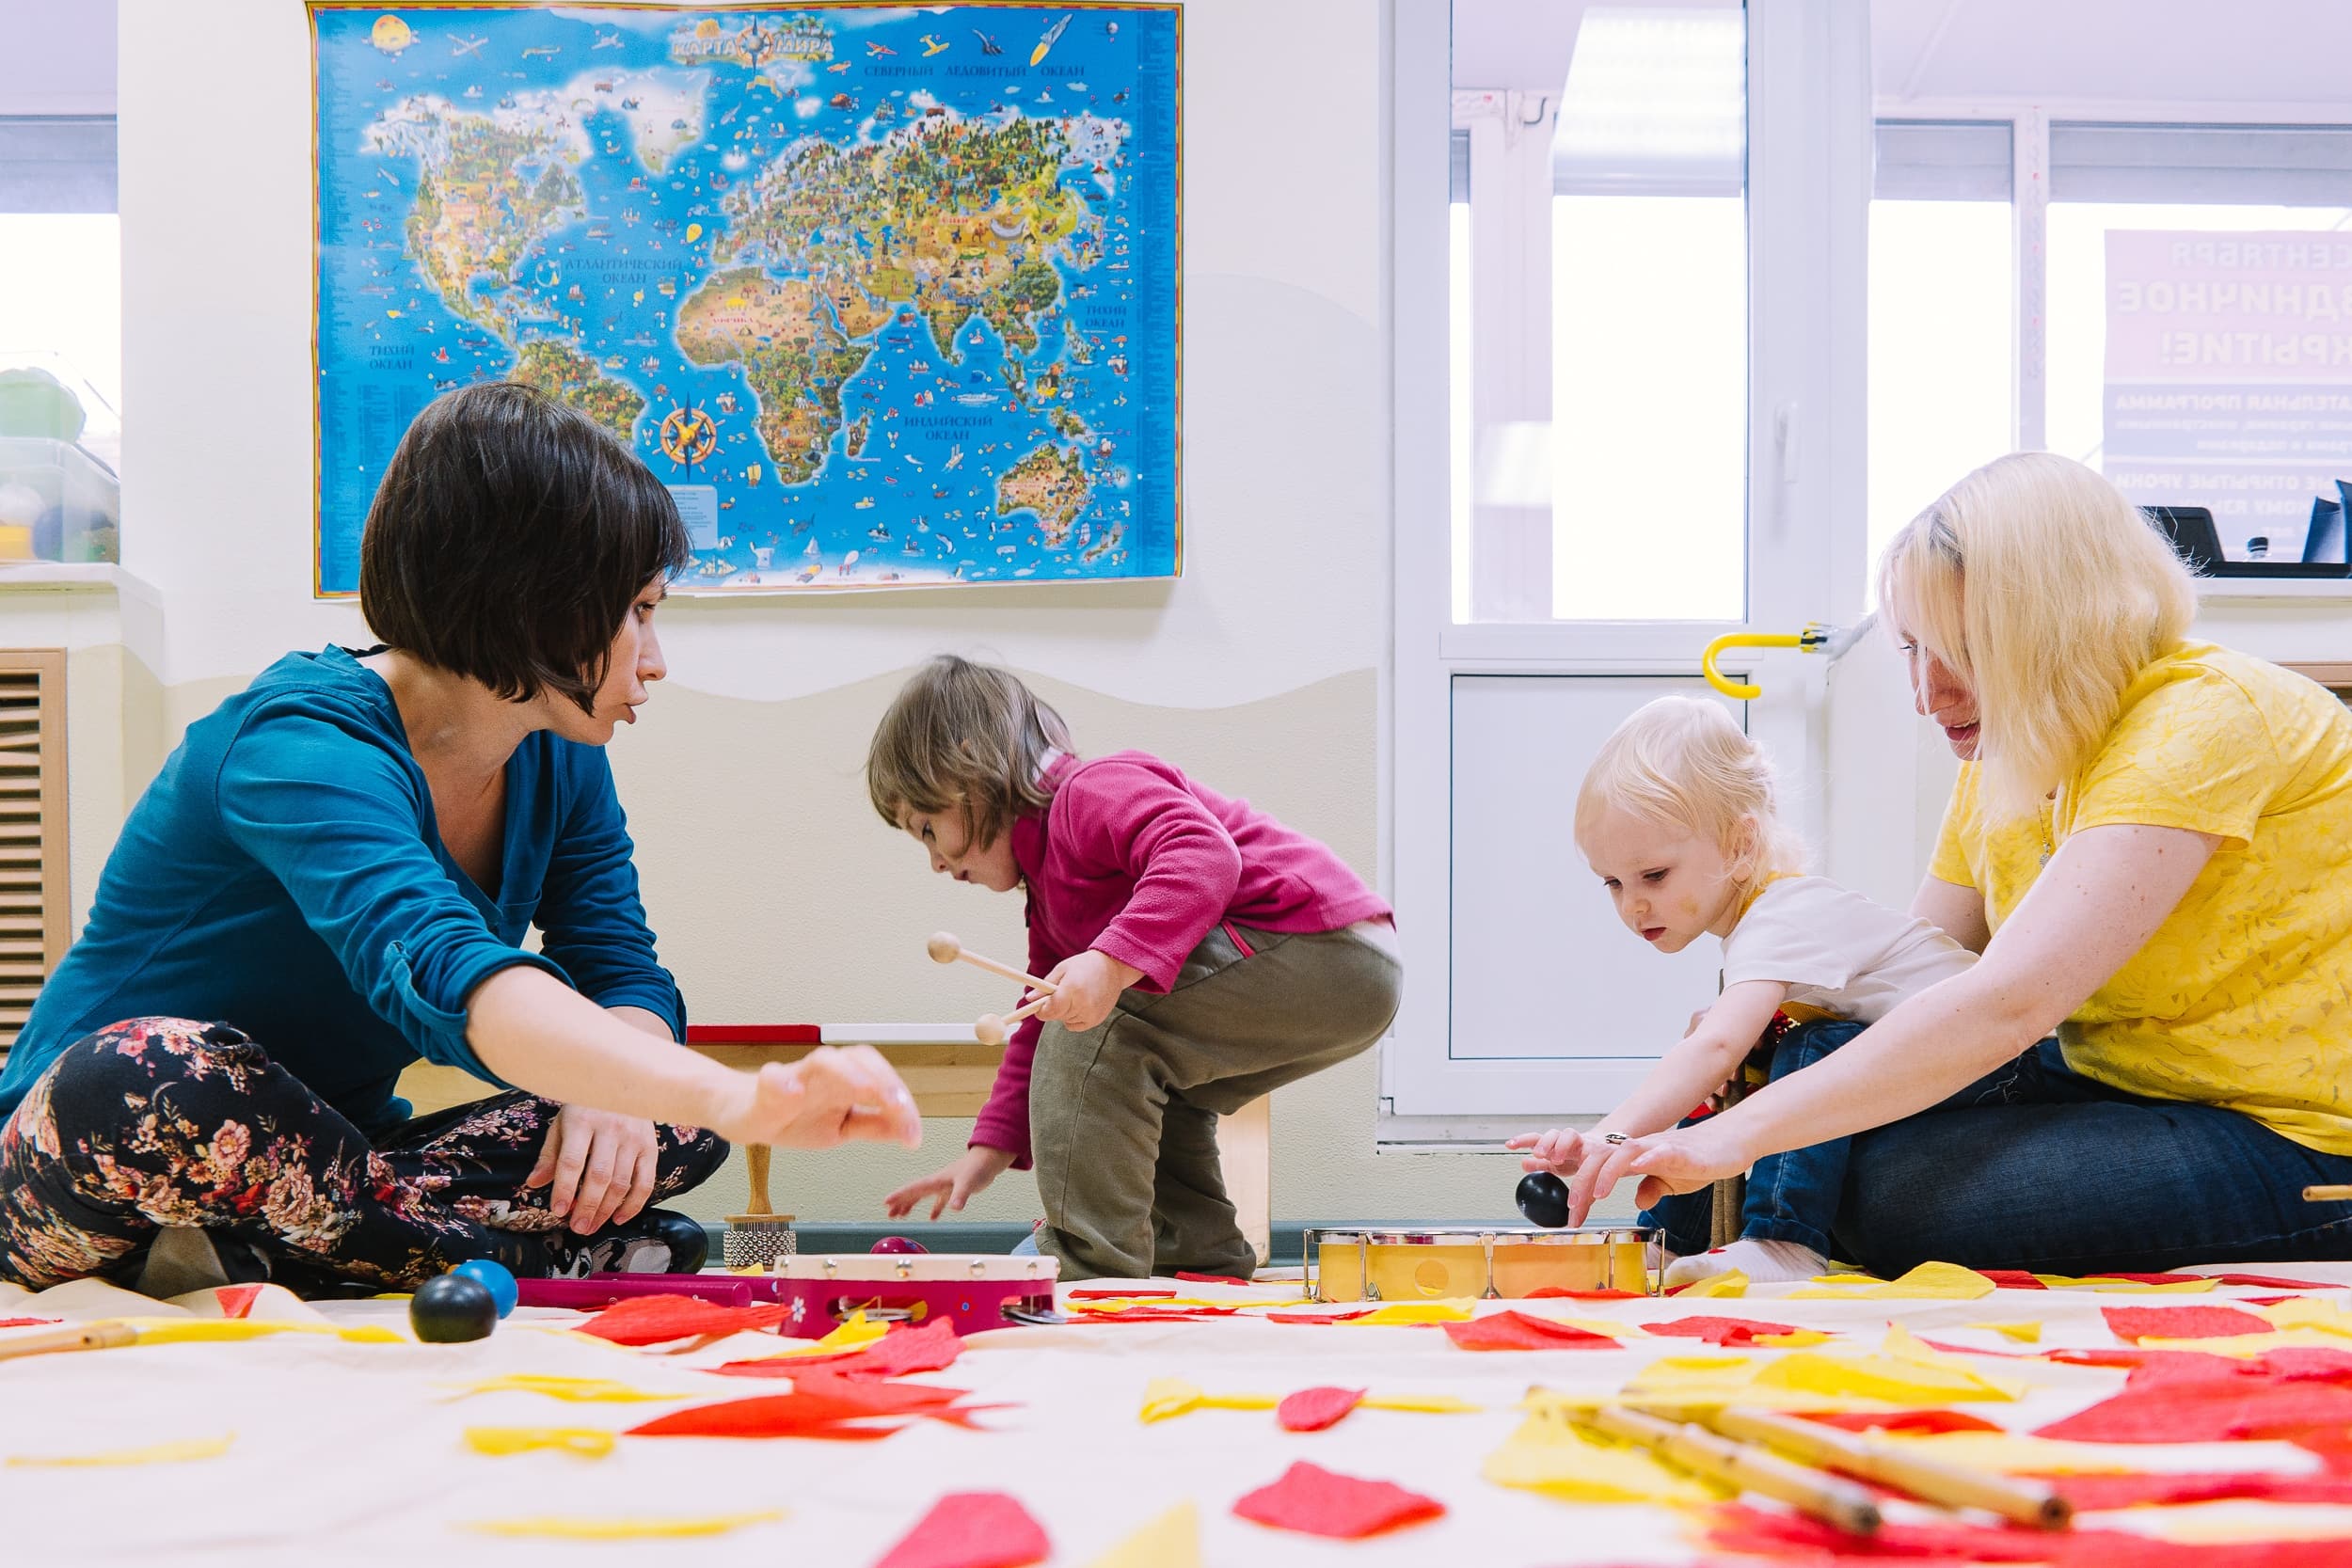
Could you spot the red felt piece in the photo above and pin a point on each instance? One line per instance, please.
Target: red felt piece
(1317, 1316)
(2269, 1301)
(2100, 1357)
(781, 1416)
(1738, 1333)
(2189, 1366)
(2204, 1412)
(2014, 1279)
(2146, 1279)
(1313, 1409)
(652, 1319)
(1794, 1537)
(1115, 1295)
(1315, 1501)
(1159, 1315)
(817, 1406)
(930, 1349)
(2092, 1493)
(26, 1323)
(2134, 1323)
(2306, 1363)
(1209, 1278)
(1904, 1420)
(2273, 1282)
(1517, 1331)
(971, 1529)
(1563, 1292)
(235, 1300)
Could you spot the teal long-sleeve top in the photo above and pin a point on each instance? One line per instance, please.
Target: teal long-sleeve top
(285, 874)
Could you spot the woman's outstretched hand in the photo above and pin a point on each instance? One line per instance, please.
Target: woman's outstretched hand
(1680, 1159)
(834, 1095)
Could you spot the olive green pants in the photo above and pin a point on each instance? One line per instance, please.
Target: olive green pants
(1122, 1118)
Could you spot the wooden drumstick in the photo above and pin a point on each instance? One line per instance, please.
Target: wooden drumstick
(945, 949)
(97, 1336)
(1751, 1467)
(2328, 1195)
(993, 1029)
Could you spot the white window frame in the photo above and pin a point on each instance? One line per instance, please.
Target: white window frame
(1810, 149)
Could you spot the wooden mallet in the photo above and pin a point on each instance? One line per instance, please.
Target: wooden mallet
(990, 1028)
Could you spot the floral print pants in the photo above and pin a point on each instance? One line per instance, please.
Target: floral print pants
(163, 1121)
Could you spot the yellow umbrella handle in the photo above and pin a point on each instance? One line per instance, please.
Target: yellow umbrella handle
(1741, 691)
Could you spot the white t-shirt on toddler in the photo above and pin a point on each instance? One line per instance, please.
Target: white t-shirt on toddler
(1849, 956)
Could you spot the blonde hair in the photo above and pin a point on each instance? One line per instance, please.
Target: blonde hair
(1683, 762)
(968, 737)
(2039, 585)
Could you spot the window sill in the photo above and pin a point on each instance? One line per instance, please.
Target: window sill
(52, 576)
(2254, 590)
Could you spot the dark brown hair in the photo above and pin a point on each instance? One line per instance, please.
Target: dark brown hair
(964, 736)
(508, 539)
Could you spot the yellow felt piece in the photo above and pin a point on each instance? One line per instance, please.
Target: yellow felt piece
(2025, 1333)
(2252, 1344)
(1170, 1541)
(588, 1442)
(1798, 1340)
(1115, 1304)
(1428, 1404)
(2219, 1523)
(1846, 1279)
(1927, 1282)
(1562, 1460)
(153, 1454)
(574, 1391)
(1166, 1397)
(1880, 1377)
(1903, 1345)
(1415, 1312)
(2124, 1286)
(2015, 1454)
(569, 1526)
(188, 1330)
(2315, 1312)
(855, 1332)
(1731, 1282)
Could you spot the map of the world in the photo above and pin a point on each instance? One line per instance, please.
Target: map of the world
(886, 295)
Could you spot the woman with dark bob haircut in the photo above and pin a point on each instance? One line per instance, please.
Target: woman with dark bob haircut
(332, 878)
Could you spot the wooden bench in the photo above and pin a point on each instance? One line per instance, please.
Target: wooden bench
(947, 1071)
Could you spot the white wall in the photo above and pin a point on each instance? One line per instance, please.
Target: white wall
(1279, 627)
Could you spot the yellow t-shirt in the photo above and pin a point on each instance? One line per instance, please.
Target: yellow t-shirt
(2243, 997)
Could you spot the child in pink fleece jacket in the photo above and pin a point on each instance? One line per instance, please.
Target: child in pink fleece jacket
(1202, 953)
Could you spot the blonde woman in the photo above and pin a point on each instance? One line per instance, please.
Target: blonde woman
(2146, 845)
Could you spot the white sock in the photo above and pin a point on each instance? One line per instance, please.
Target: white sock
(1763, 1261)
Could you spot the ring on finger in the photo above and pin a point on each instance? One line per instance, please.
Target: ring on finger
(1613, 1137)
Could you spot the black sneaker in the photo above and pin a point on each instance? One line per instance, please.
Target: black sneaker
(659, 1240)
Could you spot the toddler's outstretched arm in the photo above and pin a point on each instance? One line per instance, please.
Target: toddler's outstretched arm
(1692, 1069)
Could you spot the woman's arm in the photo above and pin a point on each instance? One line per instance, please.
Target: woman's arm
(2094, 905)
(1956, 910)
(539, 1033)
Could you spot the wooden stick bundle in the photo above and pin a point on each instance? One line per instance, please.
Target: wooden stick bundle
(1833, 1499)
(2026, 1502)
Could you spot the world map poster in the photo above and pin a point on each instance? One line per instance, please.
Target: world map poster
(887, 295)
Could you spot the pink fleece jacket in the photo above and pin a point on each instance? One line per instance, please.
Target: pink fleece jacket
(1137, 862)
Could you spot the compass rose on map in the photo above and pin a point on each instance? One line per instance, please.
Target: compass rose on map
(687, 435)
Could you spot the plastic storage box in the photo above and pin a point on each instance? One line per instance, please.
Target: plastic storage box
(56, 503)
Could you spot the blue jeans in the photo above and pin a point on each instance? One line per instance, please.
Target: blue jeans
(2035, 1167)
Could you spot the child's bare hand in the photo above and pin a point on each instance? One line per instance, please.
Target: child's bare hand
(1560, 1150)
(950, 1187)
(1085, 989)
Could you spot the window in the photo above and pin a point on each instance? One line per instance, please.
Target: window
(62, 318)
(1943, 360)
(61, 260)
(1600, 322)
(2201, 318)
